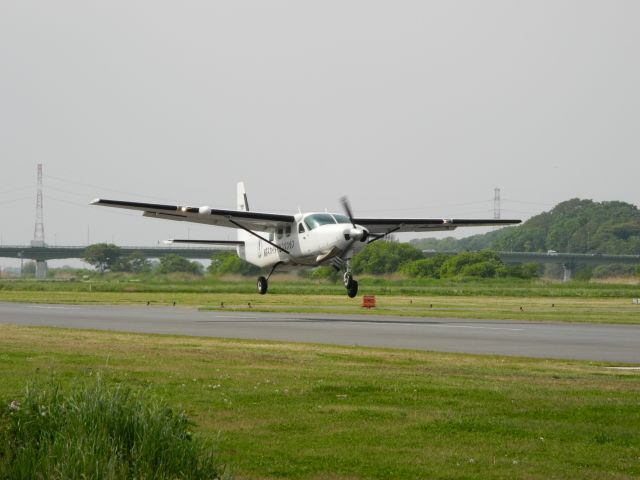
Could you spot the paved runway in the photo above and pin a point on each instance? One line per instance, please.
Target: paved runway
(615, 343)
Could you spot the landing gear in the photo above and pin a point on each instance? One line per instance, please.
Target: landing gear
(263, 285)
(352, 290)
(349, 283)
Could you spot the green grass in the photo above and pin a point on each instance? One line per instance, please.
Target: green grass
(281, 410)
(98, 432)
(577, 303)
(288, 285)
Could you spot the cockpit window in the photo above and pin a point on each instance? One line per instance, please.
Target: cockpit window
(317, 219)
(341, 218)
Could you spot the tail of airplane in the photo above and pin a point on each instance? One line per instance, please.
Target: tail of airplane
(243, 203)
(243, 206)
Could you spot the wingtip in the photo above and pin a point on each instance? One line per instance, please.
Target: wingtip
(95, 201)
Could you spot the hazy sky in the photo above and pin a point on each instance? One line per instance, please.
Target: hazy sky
(410, 108)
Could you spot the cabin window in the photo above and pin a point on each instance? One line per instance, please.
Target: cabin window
(279, 232)
(271, 235)
(287, 230)
(301, 228)
(318, 219)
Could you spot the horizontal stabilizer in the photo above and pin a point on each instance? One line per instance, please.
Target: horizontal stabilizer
(222, 243)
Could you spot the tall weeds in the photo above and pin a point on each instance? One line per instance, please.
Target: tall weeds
(99, 432)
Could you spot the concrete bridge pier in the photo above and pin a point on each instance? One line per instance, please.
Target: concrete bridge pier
(41, 269)
(569, 270)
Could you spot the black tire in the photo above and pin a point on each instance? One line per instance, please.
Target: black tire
(352, 291)
(262, 285)
(348, 280)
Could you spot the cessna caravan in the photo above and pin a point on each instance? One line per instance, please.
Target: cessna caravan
(276, 241)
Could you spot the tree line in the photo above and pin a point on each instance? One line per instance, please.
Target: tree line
(575, 226)
(107, 257)
(380, 258)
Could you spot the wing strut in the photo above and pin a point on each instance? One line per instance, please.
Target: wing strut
(382, 235)
(231, 220)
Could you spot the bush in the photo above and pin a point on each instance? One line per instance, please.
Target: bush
(384, 257)
(171, 263)
(424, 268)
(484, 264)
(98, 432)
(328, 274)
(466, 264)
(225, 263)
(615, 270)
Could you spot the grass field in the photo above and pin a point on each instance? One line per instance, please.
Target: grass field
(586, 304)
(281, 410)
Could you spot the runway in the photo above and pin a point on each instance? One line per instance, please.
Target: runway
(613, 343)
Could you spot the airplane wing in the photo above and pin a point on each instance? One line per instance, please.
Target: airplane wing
(210, 216)
(392, 225)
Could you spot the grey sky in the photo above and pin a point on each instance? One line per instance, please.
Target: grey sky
(411, 108)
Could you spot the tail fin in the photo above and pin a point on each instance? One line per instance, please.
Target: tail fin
(243, 203)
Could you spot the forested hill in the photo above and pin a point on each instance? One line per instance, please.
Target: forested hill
(578, 226)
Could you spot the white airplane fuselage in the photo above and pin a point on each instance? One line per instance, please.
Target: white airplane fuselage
(307, 242)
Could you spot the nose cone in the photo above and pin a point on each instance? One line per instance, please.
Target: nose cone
(357, 233)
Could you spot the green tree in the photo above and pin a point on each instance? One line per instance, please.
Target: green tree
(384, 257)
(223, 263)
(171, 263)
(425, 267)
(475, 264)
(577, 226)
(135, 262)
(523, 270)
(102, 256)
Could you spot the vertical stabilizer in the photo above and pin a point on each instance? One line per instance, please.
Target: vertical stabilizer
(243, 203)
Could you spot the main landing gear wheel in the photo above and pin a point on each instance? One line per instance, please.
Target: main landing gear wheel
(352, 290)
(262, 285)
(348, 280)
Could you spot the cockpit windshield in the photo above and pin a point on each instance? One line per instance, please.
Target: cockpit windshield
(317, 219)
(341, 218)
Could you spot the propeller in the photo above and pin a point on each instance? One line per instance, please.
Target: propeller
(347, 208)
(356, 233)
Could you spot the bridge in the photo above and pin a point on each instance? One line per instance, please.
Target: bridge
(569, 261)
(40, 253)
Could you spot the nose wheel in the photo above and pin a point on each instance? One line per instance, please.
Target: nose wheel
(351, 285)
(263, 285)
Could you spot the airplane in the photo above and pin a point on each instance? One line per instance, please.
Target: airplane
(277, 241)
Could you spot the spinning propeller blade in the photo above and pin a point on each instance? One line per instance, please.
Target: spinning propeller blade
(347, 208)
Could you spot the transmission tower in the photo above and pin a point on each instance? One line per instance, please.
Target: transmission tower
(496, 204)
(38, 232)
